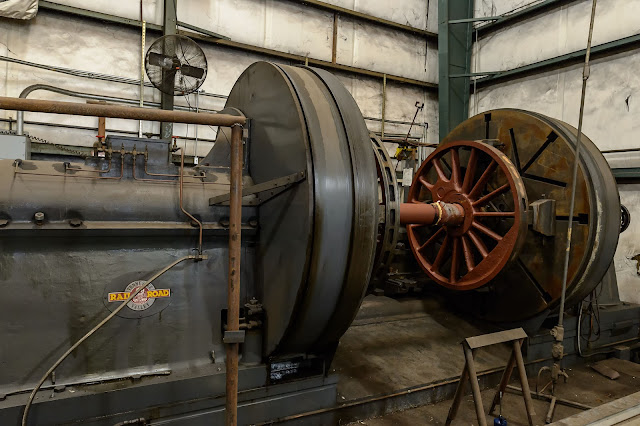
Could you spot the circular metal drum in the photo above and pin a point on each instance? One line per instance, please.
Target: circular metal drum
(543, 151)
(317, 239)
(389, 214)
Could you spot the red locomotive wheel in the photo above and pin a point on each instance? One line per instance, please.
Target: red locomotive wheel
(487, 185)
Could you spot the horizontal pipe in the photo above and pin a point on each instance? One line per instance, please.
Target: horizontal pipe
(30, 89)
(425, 125)
(149, 135)
(113, 111)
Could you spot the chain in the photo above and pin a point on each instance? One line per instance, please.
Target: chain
(44, 141)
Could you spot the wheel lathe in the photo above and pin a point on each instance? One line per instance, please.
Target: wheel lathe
(487, 215)
(321, 211)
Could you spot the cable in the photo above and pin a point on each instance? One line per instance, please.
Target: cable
(25, 415)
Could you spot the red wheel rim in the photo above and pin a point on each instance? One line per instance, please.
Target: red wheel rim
(487, 185)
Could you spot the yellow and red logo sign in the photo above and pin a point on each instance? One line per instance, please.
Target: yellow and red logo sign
(143, 300)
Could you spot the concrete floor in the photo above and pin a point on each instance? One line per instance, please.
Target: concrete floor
(398, 344)
(584, 386)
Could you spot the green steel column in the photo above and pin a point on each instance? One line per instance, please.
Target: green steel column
(169, 27)
(454, 57)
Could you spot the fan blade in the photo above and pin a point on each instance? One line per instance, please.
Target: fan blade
(161, 61)
(190, 71)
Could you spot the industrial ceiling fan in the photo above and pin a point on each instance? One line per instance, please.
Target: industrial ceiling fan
(176, 65)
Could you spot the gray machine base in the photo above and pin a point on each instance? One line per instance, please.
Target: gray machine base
(175, 399)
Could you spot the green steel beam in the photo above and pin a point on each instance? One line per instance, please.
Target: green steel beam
(519, 16)
(626, 173)
(454, 57)
(478, 19)
(597, 52)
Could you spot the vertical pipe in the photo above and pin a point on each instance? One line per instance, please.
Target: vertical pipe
(195, 148)
(334, 46)
(102, 129)
(142, 46)
(384, 103)
(585, 77)
(233, 298)
(169, 27)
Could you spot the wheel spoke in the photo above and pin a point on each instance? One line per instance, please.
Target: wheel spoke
(470, 172)
(438, 167)
(475, 239)
(468, 255)
(441, 253)
(482, 228)
(455, 255)
(431, 239)
(490, 196)
(455, 167)
(424, 183)
(482, 182)
(494, 214)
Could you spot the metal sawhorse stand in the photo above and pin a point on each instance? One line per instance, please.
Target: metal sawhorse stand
(470, 345)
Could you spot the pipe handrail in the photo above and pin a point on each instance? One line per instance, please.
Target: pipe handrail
(116, 111)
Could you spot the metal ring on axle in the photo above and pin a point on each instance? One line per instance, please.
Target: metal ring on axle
(479, 178)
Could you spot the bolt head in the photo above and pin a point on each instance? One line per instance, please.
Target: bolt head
(39, 217)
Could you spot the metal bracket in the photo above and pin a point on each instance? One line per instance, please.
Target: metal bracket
(543, 217)
(264, 190)
(236, 336)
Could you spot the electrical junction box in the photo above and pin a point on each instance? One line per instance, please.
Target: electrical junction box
(13, 147)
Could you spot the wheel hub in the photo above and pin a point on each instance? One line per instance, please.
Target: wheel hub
(472, 239)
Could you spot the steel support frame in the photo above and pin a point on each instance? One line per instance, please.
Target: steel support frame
(597, 52)
(519, 16)
(203, 35)
(169, 27)
(320, 5)
(454, 57)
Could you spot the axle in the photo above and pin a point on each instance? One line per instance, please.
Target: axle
(438, 213)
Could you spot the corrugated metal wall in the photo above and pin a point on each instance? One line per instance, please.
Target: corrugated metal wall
(74, 42)
(612, 107)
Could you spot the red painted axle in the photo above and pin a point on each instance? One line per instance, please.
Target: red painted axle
(444, 214)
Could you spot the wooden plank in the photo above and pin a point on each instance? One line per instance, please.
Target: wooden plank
(495, 338)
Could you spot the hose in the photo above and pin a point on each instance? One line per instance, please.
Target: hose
(25, 415)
